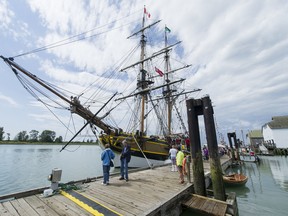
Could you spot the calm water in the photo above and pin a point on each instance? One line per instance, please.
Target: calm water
(266, 192)
(26, 167)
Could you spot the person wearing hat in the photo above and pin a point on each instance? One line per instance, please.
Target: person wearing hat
(125, 159)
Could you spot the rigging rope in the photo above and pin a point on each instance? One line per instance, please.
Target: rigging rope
(63, 42)
(147, 160)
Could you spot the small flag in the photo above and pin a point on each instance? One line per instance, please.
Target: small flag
(147, 13)
(167, 29)
(159, 71)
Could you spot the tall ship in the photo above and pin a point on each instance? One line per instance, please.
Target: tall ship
(150, 115)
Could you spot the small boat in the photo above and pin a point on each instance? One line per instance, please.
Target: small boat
(249, 157)
(235, 179)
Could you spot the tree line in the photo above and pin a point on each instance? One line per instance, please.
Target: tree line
(33, 136)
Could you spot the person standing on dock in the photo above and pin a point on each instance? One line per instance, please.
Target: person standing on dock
(125, 159)
(179, 162)
(205, 153)
(173, 153)
(106, 156)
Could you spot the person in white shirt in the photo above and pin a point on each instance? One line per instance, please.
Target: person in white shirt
(173, 152)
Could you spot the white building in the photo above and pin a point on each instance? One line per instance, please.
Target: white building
(276, 132)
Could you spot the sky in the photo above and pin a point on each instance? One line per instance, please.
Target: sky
(238, 49)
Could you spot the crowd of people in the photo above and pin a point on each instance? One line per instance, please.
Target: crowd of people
(178, 155)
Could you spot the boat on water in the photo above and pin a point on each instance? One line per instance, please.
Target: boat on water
(155, 121)
(248, 156)
(235, 179)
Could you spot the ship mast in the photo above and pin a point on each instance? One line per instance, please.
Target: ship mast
(142, 83)
(168, 91)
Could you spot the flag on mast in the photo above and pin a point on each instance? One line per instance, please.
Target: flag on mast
(167, 29)
(146, 12)
(159, 71)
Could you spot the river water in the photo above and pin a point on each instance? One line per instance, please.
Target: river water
(25, 167)
(266, 192)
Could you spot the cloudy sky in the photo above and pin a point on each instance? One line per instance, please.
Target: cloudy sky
(239, 52)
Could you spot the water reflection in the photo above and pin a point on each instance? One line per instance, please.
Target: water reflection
(19, 150)
(241, 191)
(279, 170)
(44, 150)
(265, 192)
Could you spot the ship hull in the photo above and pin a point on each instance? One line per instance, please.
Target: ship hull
(145, 151)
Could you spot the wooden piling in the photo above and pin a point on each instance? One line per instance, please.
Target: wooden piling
(236, 146)
(194, 108)
(230, 136)
(215, 165)
(188, 165)
(231, 146)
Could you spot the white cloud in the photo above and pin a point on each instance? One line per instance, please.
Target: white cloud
(240, 48)
(5, 15)
(8, 100)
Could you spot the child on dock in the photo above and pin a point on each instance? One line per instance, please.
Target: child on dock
(179, 162)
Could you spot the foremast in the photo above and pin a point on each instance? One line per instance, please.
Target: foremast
(141, 81)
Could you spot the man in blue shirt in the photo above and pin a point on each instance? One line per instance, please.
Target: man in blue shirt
(106, 157)
(125, 159)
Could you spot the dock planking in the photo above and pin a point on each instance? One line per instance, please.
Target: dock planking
(148, 192)
(206, 205)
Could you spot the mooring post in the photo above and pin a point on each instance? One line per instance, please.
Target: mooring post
(231, 146)
(188, 165)
(236, 146)
(215, 164)
(194, 108)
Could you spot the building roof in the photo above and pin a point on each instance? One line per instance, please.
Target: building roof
(278, 122)
(255, 134)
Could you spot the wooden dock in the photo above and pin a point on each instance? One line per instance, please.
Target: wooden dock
(148, 192)
(206, 205)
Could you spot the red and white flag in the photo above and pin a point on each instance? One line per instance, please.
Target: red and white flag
(159, 71)
(147, 13)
